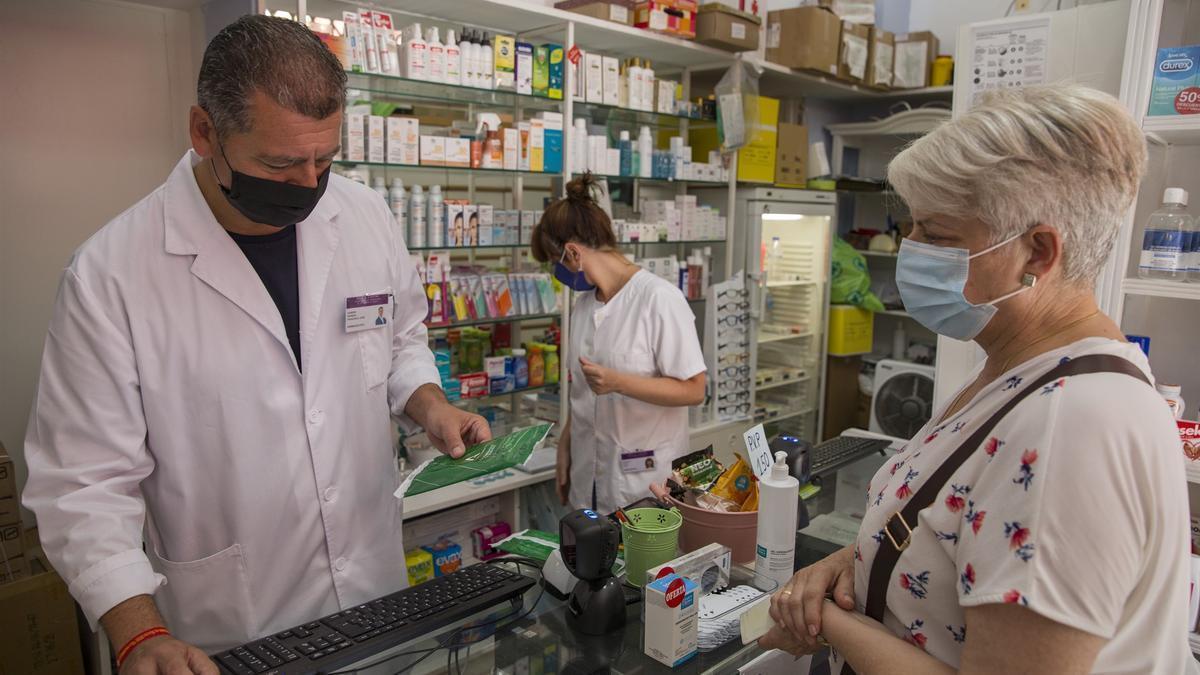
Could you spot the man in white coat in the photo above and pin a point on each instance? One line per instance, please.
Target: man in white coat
(209, 449)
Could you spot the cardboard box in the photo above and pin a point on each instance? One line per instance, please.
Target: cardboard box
(556, 72)
(791, 155)
(354, 141)
(541, 70)
(10, 506)
(841, 394)
(41, 635)
(403, 140)
(433, 151)
(593, 74)
(723, 27)
(915, 53)
(617, 11)
(612, 80)
(671, 626)
(456, 223)
(855, 52)
(504, 61)
(458, 151)
(537, 144)
(673, 17)
(375, 140)
(524, 74)
(882, 59)
(806, 38)
(511, 140)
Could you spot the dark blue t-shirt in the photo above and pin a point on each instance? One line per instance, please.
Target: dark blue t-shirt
(273, 257)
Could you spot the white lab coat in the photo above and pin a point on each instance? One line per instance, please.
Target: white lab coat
(647, 329)
(170, 404)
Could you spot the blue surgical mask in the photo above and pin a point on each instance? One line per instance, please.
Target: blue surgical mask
(574, 280)
(931, 280)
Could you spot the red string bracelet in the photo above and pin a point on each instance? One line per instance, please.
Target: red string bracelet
(137, 640)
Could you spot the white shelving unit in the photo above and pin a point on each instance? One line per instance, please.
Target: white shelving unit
(1161, 289)
(1182, 131)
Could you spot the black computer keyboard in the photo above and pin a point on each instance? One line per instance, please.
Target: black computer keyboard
(836, 453)
(347, 637)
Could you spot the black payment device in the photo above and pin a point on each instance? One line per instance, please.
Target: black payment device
(589, 549)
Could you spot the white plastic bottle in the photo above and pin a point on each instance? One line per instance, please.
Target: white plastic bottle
(775, 260)
(635, 83)
(648, 87)
(436, 222)
(645, 152)
(398, 201)
(416, 219)
(1163, 244)
(778, 500)
(437, 56)
(453, 60)
(470, 58)
(487, 74)
(1173, 395)
(379, 184)
(416, 55)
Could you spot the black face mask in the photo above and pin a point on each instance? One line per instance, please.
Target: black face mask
(271, 202)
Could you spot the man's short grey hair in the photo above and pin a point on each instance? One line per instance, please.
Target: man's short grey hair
(283, 59)
(1067, 156)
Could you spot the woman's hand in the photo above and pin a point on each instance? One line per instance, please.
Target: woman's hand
(562, 468)
(796, 608)
(601, 380)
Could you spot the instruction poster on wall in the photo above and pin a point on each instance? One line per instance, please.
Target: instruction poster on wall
(1012, 55)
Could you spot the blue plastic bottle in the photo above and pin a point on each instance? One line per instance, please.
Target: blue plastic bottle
(520, 368)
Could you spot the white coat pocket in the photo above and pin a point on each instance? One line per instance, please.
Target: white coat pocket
(376, 346)
(218, 600)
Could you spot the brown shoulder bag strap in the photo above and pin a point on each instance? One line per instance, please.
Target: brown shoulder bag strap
(899, 526)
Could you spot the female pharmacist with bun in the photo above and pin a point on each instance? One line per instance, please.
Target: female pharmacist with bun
(635, 361)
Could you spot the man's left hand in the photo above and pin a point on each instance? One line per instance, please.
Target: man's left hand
(453, 430)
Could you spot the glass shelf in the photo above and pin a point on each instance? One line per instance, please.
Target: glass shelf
(487, 322)
(610, 114)
(423, 90)
(461, 249)
(456, 169)
(686, 242)
(657, 180)
(488, 397)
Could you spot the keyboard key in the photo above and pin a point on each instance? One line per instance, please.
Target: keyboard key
(284, 635)
(234, 664)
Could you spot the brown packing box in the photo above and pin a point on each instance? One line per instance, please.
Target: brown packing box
(855, 52)
(10, 509)
(617, 11)
(791, 155)
(806, 38)
(41, 635)
(915, 53)
(883, 52)
(726, 28)
(841, 394)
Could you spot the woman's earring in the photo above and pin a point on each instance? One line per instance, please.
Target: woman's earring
(1029, 279)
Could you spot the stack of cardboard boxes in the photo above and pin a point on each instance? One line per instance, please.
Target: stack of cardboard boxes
(814, 38)
(37, 615)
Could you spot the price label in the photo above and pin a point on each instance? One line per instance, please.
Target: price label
(573, 55)
(758, 451)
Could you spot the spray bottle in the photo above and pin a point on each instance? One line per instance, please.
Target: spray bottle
(487, 75)
(626, 148)
(436, 72)
(453, 60)
(379, 184)
(778, 502)
(416, 55)
(436, 222)
(645, 152)
(398, 201)
(416, 219)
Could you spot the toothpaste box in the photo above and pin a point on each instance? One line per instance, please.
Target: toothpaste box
(670, 608)
(1176, 87)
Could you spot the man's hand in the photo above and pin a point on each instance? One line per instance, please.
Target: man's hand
(453, 430)
(562, 467)
(601, 380)
(796, 608)
(167, 656)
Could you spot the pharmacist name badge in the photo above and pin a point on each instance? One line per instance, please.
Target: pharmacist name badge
(368, 311)
(637, 460)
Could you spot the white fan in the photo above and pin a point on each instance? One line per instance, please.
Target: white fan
(903, 400)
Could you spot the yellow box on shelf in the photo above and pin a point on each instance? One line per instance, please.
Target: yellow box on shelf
(756, 160)
(851, 330)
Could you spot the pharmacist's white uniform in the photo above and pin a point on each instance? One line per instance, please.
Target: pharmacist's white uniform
(647, 329)
(170, 404)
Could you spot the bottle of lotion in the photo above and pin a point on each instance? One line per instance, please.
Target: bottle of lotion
(487, 76)
(626, 148)
(453, 60)
(645, 152)
(436, 71)
(416, 55)
(778, 501)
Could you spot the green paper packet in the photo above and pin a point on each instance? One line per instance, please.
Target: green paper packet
(535, 544)
(479, 460)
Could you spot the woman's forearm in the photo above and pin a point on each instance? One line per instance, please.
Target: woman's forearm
(873, 650)
(664, 391)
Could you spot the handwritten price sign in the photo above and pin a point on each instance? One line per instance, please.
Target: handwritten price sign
(758, 451)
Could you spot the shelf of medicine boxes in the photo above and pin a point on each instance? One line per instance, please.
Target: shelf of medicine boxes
(456, 169)
(424, 90)
(518, 392)
(603, 113)
(497, 320)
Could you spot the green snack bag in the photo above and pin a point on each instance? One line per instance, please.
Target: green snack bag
(479, 460)
(698, 469)
(850, 281)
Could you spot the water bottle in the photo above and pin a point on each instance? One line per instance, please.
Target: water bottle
(775, 260)
(1168, 238)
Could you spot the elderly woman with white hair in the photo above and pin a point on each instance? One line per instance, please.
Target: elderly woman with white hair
(1039, 522)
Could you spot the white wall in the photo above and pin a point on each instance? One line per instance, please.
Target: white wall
(944, 17)
(95, 105)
